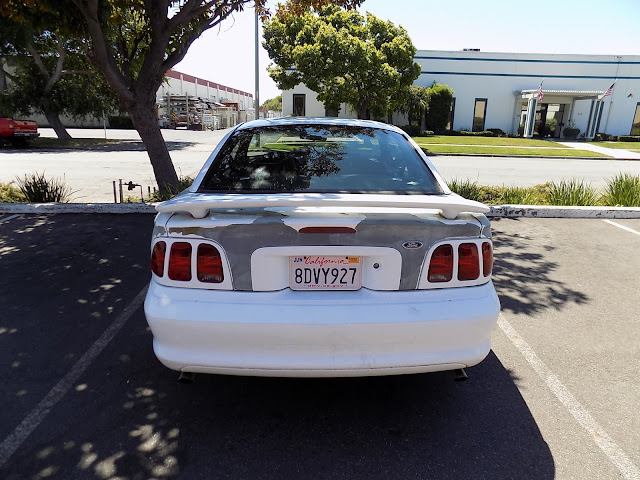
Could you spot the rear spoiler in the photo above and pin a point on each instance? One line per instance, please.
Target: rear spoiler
(199, 204)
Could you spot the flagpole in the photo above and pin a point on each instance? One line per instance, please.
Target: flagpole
(606, 125)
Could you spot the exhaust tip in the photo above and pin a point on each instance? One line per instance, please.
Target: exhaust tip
(459, 375)
(187, 377)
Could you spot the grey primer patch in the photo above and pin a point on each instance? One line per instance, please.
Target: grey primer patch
(376, 229)
(410, 245)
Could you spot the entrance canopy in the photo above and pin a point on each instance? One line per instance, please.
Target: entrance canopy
(574, 94)
(560, 97)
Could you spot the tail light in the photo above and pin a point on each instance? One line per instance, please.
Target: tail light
(173, 263)
(468, 261)
(157, 258)
(209, 264)
(441, 264)
(487, 259)
(180, 261)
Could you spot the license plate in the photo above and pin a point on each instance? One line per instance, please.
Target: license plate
(318, 272)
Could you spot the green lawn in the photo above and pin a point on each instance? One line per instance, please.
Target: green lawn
(622, 145)
(506, 141)
(488, 150)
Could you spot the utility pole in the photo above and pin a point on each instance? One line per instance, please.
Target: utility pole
(257, 68)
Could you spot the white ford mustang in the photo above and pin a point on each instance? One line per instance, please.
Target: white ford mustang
(320, 247)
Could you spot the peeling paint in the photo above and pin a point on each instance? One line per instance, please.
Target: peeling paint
(274, 229)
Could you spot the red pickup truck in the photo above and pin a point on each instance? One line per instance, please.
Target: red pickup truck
(18, 132)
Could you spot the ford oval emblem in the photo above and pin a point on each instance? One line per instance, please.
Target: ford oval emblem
(412, 245)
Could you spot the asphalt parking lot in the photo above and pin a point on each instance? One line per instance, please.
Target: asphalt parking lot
(84, 397)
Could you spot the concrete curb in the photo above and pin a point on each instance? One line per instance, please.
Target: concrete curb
(32, 208)
(506, 211)
(548, 211)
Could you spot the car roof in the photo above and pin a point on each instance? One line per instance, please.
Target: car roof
(273, 122)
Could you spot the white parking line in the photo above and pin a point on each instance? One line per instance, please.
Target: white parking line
(38, 414)
(617, 456)
(6, 219)
(622, 227)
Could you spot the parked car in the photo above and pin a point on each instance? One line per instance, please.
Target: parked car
(17, 132)
(320, 247)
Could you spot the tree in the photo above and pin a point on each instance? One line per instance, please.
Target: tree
(274, 104)
(417, 105)
(154, 35)
(50, 76)
(440, 98)
(343, 57)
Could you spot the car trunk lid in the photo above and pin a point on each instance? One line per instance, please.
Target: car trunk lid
(259, 241)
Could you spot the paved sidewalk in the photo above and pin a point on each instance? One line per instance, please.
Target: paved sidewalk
(617, 153)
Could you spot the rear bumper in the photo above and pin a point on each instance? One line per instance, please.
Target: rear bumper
(301, 334)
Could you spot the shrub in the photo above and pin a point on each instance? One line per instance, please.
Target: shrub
(121, 121)
(605, 137)
(490, 195)
(623, 190)
(467, 133)
(465, 188)
(571, 192)
(184, 182)
(629, 138)
(496, 131)
(426, 133)
(411, 130)
(440, 98)
(10, 194)
(520, 196)
(37, 189)
(570, 132)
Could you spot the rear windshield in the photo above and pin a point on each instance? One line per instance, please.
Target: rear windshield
(319, 158)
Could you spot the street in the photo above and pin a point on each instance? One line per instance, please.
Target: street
(90, 173)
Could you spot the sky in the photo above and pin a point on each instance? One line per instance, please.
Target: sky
(225, 54)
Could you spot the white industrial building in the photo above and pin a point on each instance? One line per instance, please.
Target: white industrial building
(182, 84)
(232, 105)
(500, 90)
(192, 102)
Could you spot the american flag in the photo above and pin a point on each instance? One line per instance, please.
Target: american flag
(540, 93)
(608, 91)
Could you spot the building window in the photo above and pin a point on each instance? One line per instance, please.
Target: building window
(298, 104)
(479, 112)
(635, 126)
(452, 112)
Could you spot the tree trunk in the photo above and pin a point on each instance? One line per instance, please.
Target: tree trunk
(54, 122)
(3, 77)
(146, 123)
(363, 113)
(423, 120)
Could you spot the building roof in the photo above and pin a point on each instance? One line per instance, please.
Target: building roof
(200, 81)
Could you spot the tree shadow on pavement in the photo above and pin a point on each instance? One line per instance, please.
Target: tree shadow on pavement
(523, 275)
(67, 277)
(132, 419)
